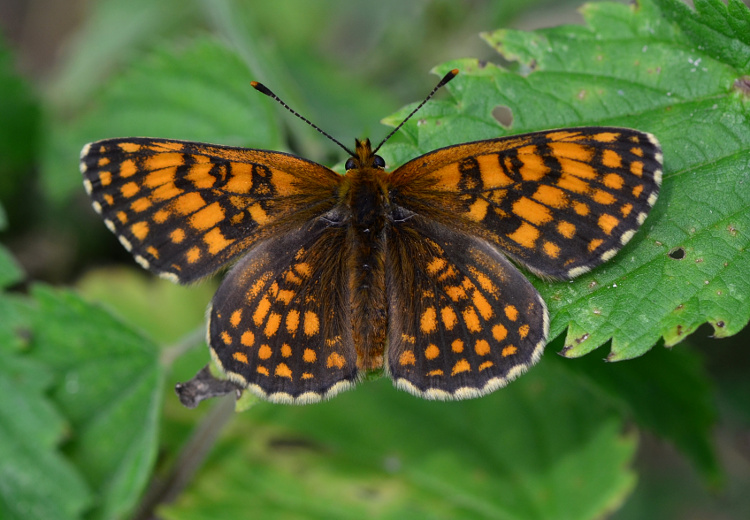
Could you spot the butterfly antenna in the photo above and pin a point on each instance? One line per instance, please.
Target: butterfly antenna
(260, 87)
(452, 74)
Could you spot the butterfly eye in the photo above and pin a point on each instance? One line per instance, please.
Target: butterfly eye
(378, 162)
(350, 164)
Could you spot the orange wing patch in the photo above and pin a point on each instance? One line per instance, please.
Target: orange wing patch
(195, 207)
(534, 195)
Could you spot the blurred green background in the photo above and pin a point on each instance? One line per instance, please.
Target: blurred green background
(345, 65)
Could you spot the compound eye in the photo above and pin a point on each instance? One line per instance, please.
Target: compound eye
(350, 164)
(378, 162)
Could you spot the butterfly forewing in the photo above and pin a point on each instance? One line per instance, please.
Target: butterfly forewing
(185, 209)
(280, 323)
(560, 202)
(463, 320)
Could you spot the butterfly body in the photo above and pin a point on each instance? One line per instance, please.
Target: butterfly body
(406, 271)
(368, 209)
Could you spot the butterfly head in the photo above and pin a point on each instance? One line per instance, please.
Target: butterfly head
(364, 157)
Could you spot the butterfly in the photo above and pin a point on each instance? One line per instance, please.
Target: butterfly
(410, 272)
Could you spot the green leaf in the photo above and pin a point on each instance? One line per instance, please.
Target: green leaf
(164, 310)
(37, 481)
(722, 30)
(10, 271)
(108, 384)
(16, 323)
(198, 93)
(15, 310)
(380, 453)
(684, 411)
(627, 67)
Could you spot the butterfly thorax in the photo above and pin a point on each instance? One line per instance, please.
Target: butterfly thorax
(365, 196)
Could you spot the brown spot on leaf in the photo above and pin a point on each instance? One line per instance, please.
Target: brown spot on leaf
(743, 85)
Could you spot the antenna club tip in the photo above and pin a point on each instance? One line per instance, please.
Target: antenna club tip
(451, 74)
(260, 87)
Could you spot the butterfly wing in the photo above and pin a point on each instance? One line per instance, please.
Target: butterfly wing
(280, 324)
(463, 320)
(559, 202)
(184, 209)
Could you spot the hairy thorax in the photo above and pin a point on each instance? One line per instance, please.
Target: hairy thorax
(365, 197)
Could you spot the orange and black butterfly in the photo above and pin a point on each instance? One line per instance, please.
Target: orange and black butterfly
(406, 271)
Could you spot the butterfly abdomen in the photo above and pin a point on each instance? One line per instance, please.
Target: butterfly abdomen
(367, 199)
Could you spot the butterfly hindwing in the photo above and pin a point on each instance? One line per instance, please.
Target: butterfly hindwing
(185, 209)
(463, 320)
(560, 202)
(280, 324)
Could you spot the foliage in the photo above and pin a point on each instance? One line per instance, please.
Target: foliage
(87, 401)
